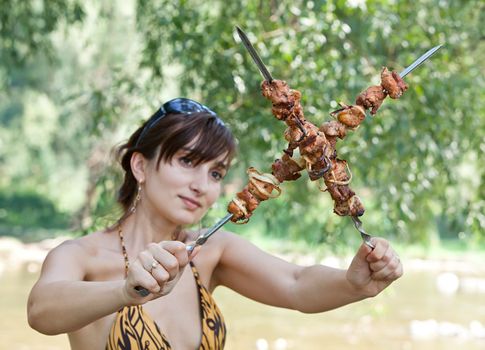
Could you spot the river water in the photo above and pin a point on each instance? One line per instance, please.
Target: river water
(434, 306)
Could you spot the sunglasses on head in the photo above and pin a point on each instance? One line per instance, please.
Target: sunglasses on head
(177, 106)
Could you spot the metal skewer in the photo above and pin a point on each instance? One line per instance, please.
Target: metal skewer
(365, 236)
(267, 76)
(199, 241)
(357, 223)
(420, 60)
(247, 44)
(203, 237)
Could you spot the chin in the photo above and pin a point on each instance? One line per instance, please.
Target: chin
(187, 220)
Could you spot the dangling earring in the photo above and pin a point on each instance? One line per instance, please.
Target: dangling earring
(137, 198)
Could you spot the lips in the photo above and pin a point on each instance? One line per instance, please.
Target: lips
(190, 203)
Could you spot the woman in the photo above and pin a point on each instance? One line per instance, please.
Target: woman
(174, 165)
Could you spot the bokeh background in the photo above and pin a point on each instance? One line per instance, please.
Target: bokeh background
(77, 77)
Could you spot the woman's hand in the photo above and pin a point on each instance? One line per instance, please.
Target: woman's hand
(372, 270)
(158, 268)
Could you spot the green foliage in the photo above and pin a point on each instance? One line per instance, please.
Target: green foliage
(68, 105)
(80, 78)
(26, 25)
(415, 163)
(29, 209)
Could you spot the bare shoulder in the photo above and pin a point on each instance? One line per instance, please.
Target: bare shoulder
(229, 241)
(67, 250)
(86, 245)
(73, 257)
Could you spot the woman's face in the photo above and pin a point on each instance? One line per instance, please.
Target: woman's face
(181, 192)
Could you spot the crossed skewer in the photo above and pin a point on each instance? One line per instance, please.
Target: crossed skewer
(202, 238)
(267, 76)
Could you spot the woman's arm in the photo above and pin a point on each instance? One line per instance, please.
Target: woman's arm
(320, 288)
(270, 280)
(61, 302)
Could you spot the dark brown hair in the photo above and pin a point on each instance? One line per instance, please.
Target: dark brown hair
(208, 137)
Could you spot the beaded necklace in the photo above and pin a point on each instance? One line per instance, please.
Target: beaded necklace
(123, 249)
(175, 237)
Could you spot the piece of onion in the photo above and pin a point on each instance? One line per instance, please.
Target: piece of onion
(308, 163)
(265, 178)
(240, 205)
(341, 183)
(320, 187)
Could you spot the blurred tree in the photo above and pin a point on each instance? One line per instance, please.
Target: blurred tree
(74, 88)
(26, 26)
(26, 210)
(66, 92)
(26, 54)
(416, 164)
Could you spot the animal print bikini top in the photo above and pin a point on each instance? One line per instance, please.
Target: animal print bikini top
(134, 329)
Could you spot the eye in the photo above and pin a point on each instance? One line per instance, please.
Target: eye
(185, 161)
(217, 175)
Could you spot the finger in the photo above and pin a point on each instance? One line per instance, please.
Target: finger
(392, 269)
(360, 259)
(147, 261)
(380, 248)
(173, 257)
(395, 274)
(139, 276)
(193, 253)
(161, 275)
(364, 251)
(382, 262)
(391, 276)
(168, 265)
(177, 249)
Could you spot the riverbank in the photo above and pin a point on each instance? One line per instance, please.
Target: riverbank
(14, 254)
(419, 311)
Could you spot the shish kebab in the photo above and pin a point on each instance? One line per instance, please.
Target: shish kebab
(316, 146)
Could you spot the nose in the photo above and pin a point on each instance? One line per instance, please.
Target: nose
(200, 182)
